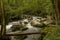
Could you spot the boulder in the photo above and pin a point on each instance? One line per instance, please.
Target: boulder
(35, 23)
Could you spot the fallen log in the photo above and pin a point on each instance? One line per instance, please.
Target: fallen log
(21, 33)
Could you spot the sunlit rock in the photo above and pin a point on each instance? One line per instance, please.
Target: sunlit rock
(35, 22)
(48, 20)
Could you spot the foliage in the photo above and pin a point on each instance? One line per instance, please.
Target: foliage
(53, 33)
(15, 8)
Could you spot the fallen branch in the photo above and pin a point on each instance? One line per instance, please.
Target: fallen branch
(21, 33)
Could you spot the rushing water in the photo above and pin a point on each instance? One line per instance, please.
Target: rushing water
(29, 26)
(32, 29)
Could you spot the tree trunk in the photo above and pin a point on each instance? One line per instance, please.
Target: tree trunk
(3, 28)
(57, 10)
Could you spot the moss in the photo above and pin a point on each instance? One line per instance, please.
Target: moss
(53, 33)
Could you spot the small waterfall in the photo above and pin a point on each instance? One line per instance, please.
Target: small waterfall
(8, 26)
(27, 24)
